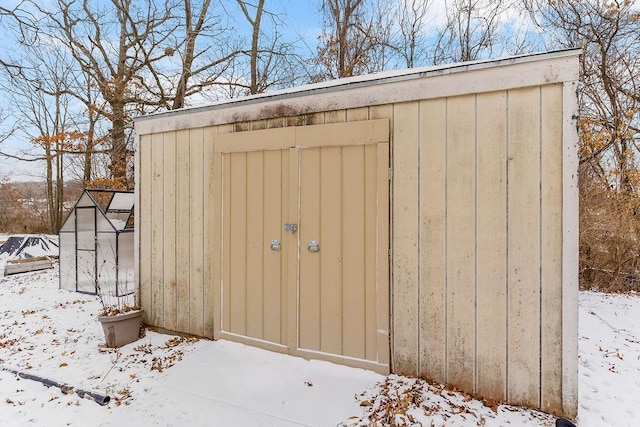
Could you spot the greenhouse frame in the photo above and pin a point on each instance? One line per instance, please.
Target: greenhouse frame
(97, 243)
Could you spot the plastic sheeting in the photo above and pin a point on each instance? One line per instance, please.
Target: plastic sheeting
(29, 246)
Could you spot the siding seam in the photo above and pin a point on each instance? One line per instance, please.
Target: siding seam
(342, 263)
(150, 231)
(246, 242)
(188, 160)
(175, 227)
(475, 246)
(446, 232)
(264, 241)
(419, 245)
(319, 169)
(204, 233)
(165, 288)
(540, 287)
(391, 251)
(506, 238)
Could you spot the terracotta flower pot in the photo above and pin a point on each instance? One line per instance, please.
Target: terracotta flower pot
(121, 329)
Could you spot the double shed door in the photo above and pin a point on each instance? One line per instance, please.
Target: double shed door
(304, 233)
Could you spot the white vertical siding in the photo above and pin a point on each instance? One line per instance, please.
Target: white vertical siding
(481, 223)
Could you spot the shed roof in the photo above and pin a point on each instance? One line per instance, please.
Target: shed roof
(353, 92)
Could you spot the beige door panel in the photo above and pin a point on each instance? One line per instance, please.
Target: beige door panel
(304, 241)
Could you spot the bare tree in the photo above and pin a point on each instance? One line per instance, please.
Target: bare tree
(116, 45)
(94, 106)
(272, 61)
(355, 38)
(610, 64)
(609, 131)
(131, 56)
(7, 127)
(41, 105)
(89, 120)
(200, 68)
(255, 22)
(18, 21)
(411, 42)
(192, 30)
(472, 30)
(136, 57)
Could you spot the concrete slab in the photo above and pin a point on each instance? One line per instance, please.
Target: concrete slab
(232, 384)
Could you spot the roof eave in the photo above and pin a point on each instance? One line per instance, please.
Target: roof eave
(553, 67)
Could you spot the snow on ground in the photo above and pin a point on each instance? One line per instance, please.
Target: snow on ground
(609, 382)
(55, 335)
(171, 380)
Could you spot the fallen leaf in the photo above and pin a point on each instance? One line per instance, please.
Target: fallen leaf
(63, 364)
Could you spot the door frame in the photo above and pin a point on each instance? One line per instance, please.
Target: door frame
(367, 132)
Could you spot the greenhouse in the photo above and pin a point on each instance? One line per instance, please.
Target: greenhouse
(96, 244)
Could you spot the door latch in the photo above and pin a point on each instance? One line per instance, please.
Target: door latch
(314, 246)
(291, 227)
(275, 244)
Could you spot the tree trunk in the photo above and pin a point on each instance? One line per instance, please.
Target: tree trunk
(59, 199)
(50, 197)
(254, 48)
(118, 154)
(88, 155)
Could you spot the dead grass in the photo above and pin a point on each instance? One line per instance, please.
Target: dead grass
(609, 237)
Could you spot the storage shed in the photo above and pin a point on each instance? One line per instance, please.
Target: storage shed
(97, 244)
(421, 221)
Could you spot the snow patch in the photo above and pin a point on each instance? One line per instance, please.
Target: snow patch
(163, 379)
